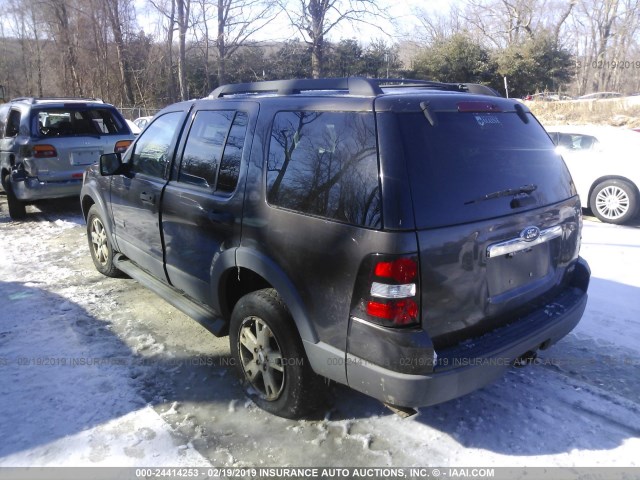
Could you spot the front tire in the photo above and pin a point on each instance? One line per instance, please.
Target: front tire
(269, 357)
(100, 244)
(17, 209)
(614, 201)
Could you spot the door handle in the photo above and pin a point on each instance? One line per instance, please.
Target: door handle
(148, 198)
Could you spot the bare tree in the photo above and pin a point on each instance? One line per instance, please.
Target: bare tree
(62, 30)
(314, 19)
(503, 23)
(32, 43)
(178, 13)
(168, 11)
(606, 36)
(117, 12)
(183, 8)
(238, 22)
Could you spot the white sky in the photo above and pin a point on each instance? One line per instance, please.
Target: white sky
(279, 29)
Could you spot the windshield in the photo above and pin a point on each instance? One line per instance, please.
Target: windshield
(474, 166)
(59, 122)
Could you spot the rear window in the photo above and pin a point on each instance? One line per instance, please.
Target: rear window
(459, 167)
(61, 122)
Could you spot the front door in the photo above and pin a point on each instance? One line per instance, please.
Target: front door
(136, 195)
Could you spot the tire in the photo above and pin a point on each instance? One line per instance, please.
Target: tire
(614, 201)
(100, 245)
(270, 359)
(17, 209)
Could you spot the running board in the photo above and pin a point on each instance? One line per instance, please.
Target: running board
(204, 316)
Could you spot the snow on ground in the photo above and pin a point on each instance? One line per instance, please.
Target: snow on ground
(98, 371)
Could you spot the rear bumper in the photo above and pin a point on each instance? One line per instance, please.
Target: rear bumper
(472, 365)
(30, 189)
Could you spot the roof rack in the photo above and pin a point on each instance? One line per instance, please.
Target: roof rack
(33, 100)
(353, 85)
(368, 87)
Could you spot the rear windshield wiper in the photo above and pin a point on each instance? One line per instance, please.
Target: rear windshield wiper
(509, 192)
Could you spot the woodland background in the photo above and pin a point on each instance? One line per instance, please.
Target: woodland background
(150, 53)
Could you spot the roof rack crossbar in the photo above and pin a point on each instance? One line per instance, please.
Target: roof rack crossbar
(33, 100)
(354, 85)
(367, 87)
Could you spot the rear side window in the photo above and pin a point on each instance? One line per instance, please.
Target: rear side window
(203, 149)
(461, 168)
(325, 164)
(213, 150)
(61, 122)
(230, 164)
(13, 123)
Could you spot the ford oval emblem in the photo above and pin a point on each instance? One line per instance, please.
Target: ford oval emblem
(529, 234)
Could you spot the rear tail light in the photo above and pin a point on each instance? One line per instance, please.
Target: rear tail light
(44, 151)
(387, 291)
(121, 146)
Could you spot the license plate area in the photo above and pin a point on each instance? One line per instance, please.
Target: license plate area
(517, 269)
(85, 156)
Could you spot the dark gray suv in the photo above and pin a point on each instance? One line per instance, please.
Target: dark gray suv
(409, 239)
(47, 143)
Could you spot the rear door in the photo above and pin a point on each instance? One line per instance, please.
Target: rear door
(136, 195)
(496, 215)
(202, 204)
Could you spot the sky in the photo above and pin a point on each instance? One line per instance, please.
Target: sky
(279, 29)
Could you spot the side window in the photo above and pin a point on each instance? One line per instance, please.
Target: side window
(4, 113)
(585, 142)
(13, 124)
(203, 150)
(213, 150)
(565, 141)
(325, 164)
(577, 142)
(230, 164)
(151, 153)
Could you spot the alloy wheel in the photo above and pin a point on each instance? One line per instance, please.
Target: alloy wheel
(261, 358)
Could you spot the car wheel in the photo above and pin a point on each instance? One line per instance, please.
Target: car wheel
(101, 250)
(270, 358)
(17, 209)
(614, 201)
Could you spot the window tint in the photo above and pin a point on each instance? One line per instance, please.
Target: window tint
(151, 153)
(230, 165)
(203, 149)
(325, 164)
(4, 114)
(456, 165)
(13, 123)
(58, 122)
(572, 141)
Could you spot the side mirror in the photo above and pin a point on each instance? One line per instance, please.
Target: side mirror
(111, 164)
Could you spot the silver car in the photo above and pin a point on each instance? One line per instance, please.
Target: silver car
(47, 143)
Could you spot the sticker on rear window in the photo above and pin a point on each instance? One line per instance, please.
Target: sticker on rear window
(487, 119)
